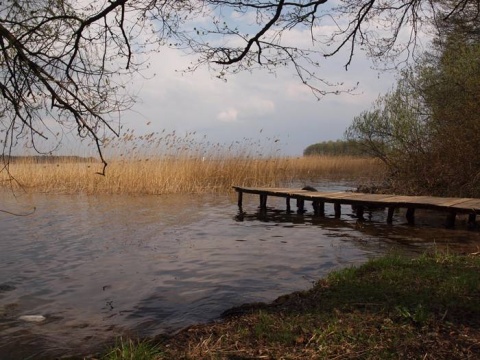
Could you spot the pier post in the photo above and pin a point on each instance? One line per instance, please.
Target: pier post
(450, 223)
(300, 206)
(263, 202)
(338, 209)
(289, 210)
(240, 199)
(472, 223)
(359, 212)
(410, 216)
(318, 207)
(391, 210)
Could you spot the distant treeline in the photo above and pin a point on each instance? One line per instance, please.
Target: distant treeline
(338, 147)
(48, 159)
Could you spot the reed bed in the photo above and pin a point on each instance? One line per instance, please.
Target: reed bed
(183, 168)
(169, 176)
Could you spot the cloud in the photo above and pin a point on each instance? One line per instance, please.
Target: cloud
(298, 91)
(247, 102)
(247, 107)
(262, 106)
(229, 115)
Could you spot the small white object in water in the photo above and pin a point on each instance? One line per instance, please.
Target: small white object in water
(32, 318)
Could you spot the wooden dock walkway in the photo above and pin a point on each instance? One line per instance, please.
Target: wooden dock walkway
(360, 201)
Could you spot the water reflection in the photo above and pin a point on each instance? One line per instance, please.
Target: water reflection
(103, 266)
(429, 230)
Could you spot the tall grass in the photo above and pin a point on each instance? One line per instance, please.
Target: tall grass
(182, 166)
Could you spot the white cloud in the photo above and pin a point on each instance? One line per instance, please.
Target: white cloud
(229, 111)
(246, 108)
(298, 91)
(262, 106)
(229, 115)
(256, 106)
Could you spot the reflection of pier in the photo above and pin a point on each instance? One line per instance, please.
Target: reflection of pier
(361, 201)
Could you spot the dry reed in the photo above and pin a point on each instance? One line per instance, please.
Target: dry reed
(182, 168)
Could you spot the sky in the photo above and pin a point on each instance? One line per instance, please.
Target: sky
(254, 105)
(257, 106)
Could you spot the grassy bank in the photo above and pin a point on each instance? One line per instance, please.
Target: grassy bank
(181, 173)
(389, 308)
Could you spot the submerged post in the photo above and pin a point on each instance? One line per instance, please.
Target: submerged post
(289, 210)
(472, 223)
(240, 198)
(391, 210)
(318, 207)
(300, 206)
(359, 212)
(410, 216)
(321, 208)
(450, 223)
(338, 209)
(263, 202)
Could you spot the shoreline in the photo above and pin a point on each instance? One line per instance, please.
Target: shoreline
(391, 307)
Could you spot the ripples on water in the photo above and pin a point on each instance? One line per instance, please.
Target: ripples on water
(102, 266)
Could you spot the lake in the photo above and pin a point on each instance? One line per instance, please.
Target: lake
(100, 267)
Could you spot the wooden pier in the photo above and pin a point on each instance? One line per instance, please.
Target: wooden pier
(361, 201)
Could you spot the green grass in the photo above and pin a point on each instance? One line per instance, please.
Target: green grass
(127, 349)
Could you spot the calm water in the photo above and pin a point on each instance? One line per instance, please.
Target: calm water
(98, 267)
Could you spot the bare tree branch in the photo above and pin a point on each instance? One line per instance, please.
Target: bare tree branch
(68, 63)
